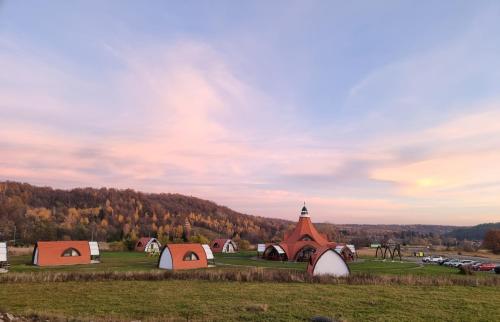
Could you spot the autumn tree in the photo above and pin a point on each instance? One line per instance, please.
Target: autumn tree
(492, 240)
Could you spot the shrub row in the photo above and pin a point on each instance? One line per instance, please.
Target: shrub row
(248, 275)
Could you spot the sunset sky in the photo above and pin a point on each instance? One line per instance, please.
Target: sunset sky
(370, 111)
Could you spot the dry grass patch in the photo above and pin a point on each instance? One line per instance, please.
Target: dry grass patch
(250, 275)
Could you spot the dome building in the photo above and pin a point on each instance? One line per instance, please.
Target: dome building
(300, 244)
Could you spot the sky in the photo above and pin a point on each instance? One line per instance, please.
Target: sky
(369, 111)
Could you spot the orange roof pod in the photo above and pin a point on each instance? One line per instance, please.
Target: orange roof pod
(326, 261)
(55, 253)
(223, 245)
(183, 256)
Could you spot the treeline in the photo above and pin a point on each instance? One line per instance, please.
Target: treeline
(477, 232)
(42, 213)
(29, 213)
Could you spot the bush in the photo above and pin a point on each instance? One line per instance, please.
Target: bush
(118, 246)
(199, 239)
(244, 244)
(466, 270)
(130, 242)
(248, 275)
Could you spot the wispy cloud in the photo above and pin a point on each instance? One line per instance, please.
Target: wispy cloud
(413, 140)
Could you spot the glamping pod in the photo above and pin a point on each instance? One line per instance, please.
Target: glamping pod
(4, 263)
(275, 253)
(224, 246)
(301, 243)
(326, 261)
(149, 245)
(183, 256)
(95, 255)
(346, 252)
(55, 253)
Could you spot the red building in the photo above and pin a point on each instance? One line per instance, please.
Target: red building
(299, 244)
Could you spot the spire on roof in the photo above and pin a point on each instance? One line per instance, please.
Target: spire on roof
(304, 212)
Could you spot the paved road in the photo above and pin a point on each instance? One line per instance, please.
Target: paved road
(474, 258)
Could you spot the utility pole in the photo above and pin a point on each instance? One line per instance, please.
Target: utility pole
(14, 235)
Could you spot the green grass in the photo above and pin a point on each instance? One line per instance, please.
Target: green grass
(134, 261)
(250, 259)
(265, 301)
(110, 261)
(364, 265)
(229, 301)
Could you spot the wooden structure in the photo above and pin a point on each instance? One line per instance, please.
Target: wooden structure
(385, 251)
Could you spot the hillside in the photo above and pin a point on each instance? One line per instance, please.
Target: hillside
(473, 233)
(43, 213)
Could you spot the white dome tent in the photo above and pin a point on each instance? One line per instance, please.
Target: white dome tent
(326, 261)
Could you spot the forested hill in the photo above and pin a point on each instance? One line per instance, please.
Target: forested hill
(110, 214)
(43, 213)
(473, 233)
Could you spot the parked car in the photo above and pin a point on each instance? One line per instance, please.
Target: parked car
(484, 267)
(497, 269)
(444, 260)
(476, 266)
(465, 262)
(451, 262)
(432, 259)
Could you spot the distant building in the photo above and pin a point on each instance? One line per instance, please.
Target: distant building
(223, 245)
(348, 252)
(148, 244)
(300, 244)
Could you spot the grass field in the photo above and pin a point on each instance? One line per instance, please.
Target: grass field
(200, 300)
(227, 301)
(364, 265)
(111, 261)
(133, 261)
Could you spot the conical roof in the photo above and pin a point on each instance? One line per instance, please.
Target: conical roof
(305, 230)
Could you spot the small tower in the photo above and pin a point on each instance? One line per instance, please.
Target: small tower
(304, 212)
(186, 234)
